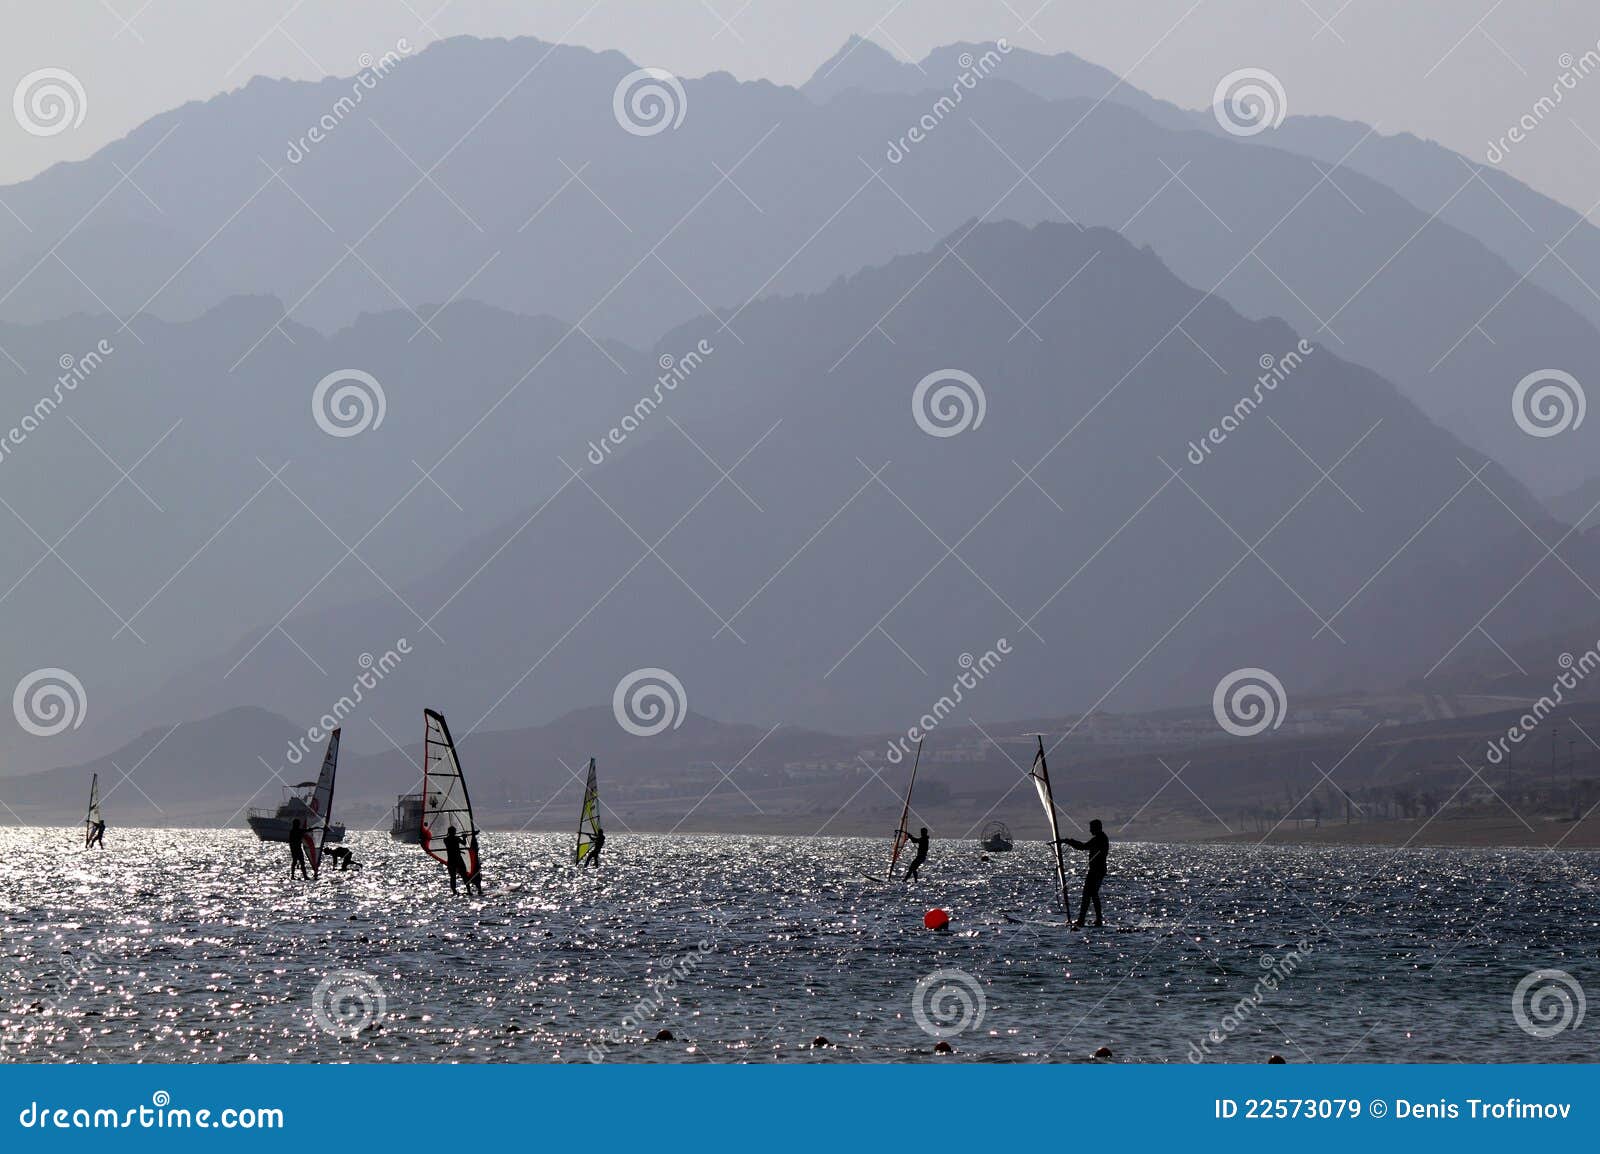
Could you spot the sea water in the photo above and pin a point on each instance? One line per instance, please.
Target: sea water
(195, 946)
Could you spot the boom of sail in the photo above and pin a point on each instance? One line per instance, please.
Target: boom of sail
(315, 830)
(903, 835)
(588, 819)
(444, 794)
(93, 817)
(1041, 780)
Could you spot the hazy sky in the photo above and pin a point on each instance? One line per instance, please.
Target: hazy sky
(1458, 71)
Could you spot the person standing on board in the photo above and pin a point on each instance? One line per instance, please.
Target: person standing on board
(1098, 846)
(592, 858)
(921, 842)
(476, 880)
(97, 835)
(453, 861)
(297, 850)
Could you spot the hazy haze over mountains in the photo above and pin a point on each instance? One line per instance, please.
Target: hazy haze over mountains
(780, 531)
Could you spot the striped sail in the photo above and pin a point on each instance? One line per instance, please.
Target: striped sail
(444, 794)
(321, 803)
(588, 819)
(93, 817)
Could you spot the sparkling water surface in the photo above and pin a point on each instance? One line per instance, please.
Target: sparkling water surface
(186, 946)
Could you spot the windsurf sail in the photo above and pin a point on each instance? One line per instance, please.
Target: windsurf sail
(588, 819)
(903, 835)
(1041, 780)
(444, 794)
(321, 803)
(93, 818)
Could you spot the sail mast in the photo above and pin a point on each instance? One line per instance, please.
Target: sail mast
(1041, 780)
(902, 835)
(588, 819)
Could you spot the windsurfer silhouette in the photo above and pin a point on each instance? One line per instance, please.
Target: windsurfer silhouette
(1098, 846)
(453, 861)
(97, 835)
(297, 850)
(921, 842)
(476, 878)
(592, 858)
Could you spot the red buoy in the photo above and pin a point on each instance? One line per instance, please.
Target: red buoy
(936, 920)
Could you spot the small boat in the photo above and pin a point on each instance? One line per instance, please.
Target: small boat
(406, 824)
(997, 837)
(311, 802)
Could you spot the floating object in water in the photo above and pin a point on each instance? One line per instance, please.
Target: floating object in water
(997, 837)
(943, 1047)
(1103, 1052)
(819, 1043)
(1277, 1060)
(902, 834)
(936, 920)
(665, 1036)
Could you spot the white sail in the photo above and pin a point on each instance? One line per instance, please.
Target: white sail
(321, 803)
(1041, 780)
(93, 818)
(902, 834)
(444, 794)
